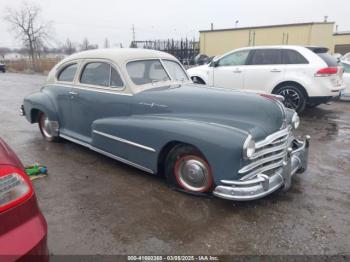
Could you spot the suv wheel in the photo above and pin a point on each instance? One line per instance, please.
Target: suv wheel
(294, 98)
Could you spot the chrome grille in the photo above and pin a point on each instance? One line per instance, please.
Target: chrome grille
(269, 155)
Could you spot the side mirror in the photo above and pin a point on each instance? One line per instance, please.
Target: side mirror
(214, 63)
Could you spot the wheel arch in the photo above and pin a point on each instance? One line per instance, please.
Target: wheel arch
(293, 83)
(166, 149)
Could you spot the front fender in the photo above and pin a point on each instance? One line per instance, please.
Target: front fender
(221, 145)
(39, 101)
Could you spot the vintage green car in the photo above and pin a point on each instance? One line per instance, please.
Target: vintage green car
(140, 107)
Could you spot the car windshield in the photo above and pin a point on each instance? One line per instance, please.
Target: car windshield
(149, 71)
(144, 72)
(175, 70)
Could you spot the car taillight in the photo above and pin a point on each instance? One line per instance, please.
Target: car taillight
(328, 71)
(15, 187)
(275, 97)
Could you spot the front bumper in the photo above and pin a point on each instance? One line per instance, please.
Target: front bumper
(295, 162)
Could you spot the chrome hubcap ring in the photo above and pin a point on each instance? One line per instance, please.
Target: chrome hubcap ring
(193, 173)
(46, 126)
(291, 98)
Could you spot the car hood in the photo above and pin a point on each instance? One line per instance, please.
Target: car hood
(248, 112)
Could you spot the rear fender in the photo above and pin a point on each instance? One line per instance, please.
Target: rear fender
(37, 102)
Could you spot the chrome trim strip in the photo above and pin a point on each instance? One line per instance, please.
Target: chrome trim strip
(124, 141)
(272, 137)
(121, 160)
(107, 154)
(260, 162)
(263, 169)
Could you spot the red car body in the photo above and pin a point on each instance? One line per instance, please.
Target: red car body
(23, 229)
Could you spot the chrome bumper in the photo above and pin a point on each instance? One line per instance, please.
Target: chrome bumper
(262, 185)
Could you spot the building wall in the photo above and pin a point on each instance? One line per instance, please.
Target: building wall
(342, 43)
(221, 41)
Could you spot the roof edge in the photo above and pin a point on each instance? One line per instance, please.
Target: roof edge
(264, 26)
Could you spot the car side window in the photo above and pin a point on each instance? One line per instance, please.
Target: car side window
(234, 59)
(346, 67)
(67, 74)
(116, 80)
(266, 57)
(292, 57)
(96, 73)
(146, 71)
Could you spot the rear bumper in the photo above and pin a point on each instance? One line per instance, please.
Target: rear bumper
(262, 185)
(26, 238)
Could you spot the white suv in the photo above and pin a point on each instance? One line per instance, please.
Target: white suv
(304, 76)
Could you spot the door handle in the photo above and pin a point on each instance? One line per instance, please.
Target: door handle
(275, 70)
(72, 93)
(237, 71)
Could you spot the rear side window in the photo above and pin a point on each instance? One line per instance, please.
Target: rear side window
(266, 57)
(292, 57)
(234, 59)
(67, 74)
(100, 74)
(329, 60)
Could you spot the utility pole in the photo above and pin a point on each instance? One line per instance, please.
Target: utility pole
(133, 33)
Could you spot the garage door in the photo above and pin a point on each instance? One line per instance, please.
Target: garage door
(342, 49)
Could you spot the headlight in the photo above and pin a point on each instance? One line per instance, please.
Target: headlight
(295, 121)
(248, 147)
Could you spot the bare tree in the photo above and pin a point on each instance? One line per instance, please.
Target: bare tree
(26, 23)
(87, 46)
(69, 47)
(106, 43)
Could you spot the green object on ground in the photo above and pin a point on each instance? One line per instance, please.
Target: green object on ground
(35, 169)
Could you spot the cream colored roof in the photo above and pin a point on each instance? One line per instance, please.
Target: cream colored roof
(118, 55)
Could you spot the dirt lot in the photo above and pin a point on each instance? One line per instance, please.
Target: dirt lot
(95, 205)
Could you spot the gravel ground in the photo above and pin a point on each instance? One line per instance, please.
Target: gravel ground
(95, 205)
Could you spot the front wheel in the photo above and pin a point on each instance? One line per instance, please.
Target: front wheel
(188, 170)
(197, 80)
(46, 128)
(294, 97)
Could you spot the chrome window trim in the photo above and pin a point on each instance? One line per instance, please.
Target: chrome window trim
(107, 154)
(119, 139)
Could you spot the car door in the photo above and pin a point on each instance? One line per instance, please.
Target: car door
(264, 69)
(100, 94)
(228, 71)
(61, 93)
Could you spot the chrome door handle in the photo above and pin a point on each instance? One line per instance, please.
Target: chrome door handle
(275, 71)
(72, 93)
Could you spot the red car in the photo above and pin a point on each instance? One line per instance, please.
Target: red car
(23, 228)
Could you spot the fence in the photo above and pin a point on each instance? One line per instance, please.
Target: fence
(184, 50)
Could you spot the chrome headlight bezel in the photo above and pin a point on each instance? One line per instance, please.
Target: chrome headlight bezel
(248, 147)
(295, 120)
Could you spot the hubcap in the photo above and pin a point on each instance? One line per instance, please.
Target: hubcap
(291, 98)
(193, 173)
(46, 126)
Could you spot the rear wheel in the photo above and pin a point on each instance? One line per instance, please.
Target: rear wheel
(188, 170)
(294, 97)
(46, 128)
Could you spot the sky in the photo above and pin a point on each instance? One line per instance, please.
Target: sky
(163, 19)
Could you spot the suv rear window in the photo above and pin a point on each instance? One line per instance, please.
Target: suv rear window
(330, 60)
(326, 57)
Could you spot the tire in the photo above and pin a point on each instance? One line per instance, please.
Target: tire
(187, 170)
(197, 80)
(294, 97)
(46, 128)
